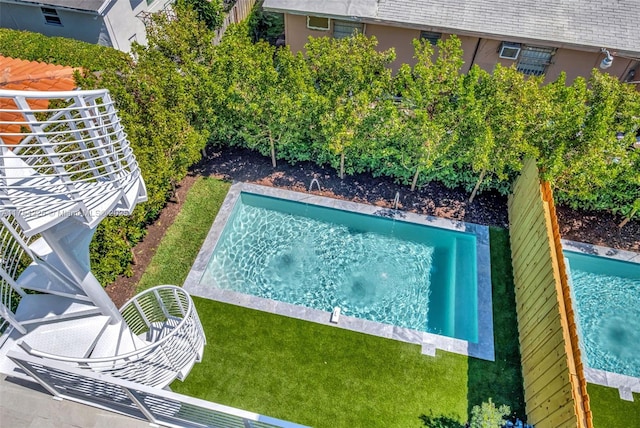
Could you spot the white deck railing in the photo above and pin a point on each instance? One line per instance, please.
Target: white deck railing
(65, 153)
(165, 322)
(158, 406)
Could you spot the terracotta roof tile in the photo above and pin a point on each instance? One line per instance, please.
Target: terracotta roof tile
(18, 74)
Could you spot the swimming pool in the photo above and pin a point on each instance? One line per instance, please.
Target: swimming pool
(605, 286)
(415, 277)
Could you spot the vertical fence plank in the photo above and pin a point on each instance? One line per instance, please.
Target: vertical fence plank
(555, 388)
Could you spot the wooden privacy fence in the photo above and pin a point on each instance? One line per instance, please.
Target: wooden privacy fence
(238, 13)
(554, 384)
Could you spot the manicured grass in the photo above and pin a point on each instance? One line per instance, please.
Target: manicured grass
(501, 379)
(319, 375)
(328, 377)
(609, 411)
(183, 239)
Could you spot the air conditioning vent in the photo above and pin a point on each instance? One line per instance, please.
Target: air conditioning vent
(509, 50)
(317, 23)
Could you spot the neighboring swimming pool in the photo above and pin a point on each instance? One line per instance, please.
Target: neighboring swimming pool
(400, 275)
(605, 285)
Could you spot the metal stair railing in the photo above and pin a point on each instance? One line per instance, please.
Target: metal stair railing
(12, 262)
(158, 406)
(10, 229)
(74, 152)
(15, 257)
(167, 308)
(71, 166)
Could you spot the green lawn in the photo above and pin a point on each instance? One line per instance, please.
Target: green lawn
(609, 411)
(319, 375)
(183, 239)
(328, 377)
(325, 376)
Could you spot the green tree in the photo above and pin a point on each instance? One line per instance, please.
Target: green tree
(349, 89)
(488, 415)
(263, 94)
(428, 92)
(557, 130)
(601, 167)
(211, 12)
(495, 122)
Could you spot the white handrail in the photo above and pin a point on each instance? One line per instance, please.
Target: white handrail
(160, 406)
(157, 364)
(72, 156)
(175, 331)
(49, 94)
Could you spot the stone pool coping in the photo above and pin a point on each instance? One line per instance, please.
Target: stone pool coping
(429, 342)
(625, 384)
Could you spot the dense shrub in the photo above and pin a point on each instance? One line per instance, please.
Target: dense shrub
(208, 11)
(59, 50)
(264, 25)
(339, 105)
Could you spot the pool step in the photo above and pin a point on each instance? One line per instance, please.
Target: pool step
(466, 293)
(442, 299)
(453, 302)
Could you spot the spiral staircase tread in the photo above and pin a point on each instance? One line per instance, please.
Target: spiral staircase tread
(37, 278)
(117, 339)
(49, 307)
(73, 338)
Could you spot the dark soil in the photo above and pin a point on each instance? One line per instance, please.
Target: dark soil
(488, 208)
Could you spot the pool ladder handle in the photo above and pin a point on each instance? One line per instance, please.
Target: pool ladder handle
(315, 180)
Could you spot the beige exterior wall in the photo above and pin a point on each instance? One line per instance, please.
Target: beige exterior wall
(480, 51)
(487, 56)
(401, 39)
(296, 32)
(576, 63)
(468, 45)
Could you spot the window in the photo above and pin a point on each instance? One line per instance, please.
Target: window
(431, 36)
(51, 16)
(509, 50)
(317, 23)
(534, 60)
(342, 29)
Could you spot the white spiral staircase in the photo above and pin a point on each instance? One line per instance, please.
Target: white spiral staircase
(71, 168)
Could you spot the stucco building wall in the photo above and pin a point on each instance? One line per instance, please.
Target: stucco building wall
(476, 50)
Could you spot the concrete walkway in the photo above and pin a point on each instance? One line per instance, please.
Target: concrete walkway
(26, 405)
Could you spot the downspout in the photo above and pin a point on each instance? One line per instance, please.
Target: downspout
(475, 52)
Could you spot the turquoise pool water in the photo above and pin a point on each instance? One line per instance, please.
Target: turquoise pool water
(607, 299)
(389, 271)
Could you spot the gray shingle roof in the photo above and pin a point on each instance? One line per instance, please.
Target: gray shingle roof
(612, 24)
